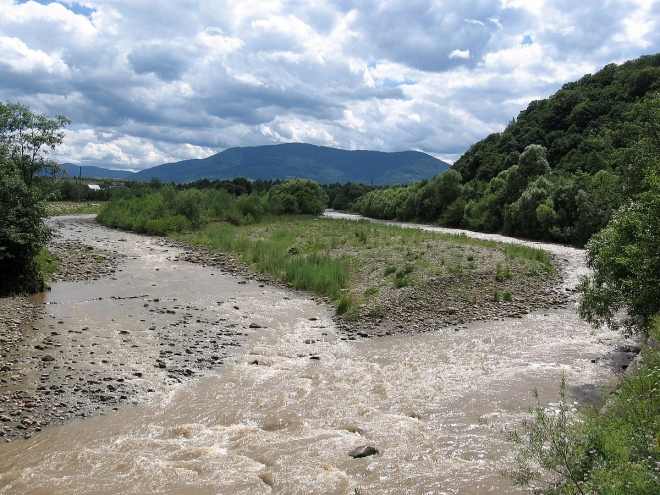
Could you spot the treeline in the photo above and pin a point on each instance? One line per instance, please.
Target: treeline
(158, 209)
(556, 173)
(340, 196)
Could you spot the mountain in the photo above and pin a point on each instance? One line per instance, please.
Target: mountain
(319, 163)
(95, 172)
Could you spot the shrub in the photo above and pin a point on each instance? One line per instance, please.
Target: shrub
(168, 225)
(295, 196)
(371, 291)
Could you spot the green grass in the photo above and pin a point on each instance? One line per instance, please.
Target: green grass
(274, 248)
(355, 262)
(47, 263)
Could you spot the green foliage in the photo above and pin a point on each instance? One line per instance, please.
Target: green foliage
(168, 225)
(502, 273)
(304, 268)
(361, 235)
(47, 263)
(377, 311)
(25, 139)
(167, 210)
(298, 196)
(342, 197)
(403, 277)
(348, 307)
(548, 444)
(625, 259)
(316, 273)
(371, 291)
(625, 255)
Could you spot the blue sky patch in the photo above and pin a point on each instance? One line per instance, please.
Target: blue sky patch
(74, 7)
(527, 40)
(390, 83)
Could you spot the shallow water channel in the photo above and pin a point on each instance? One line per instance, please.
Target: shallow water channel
(287, 405)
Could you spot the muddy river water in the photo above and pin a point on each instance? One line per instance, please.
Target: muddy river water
(291, 397)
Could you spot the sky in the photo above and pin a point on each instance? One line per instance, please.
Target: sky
(146, 83)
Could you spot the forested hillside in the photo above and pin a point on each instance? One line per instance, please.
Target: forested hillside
(557, 172)
(304, 161)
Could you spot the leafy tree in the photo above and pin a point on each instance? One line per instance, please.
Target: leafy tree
(532, 214)
(25, 139)
(296, 196)
(599, 198)
(625, 256)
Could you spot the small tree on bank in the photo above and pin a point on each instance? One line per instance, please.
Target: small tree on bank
(25, 140)
(625, 255)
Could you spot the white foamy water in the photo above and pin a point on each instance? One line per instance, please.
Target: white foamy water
(282, 414)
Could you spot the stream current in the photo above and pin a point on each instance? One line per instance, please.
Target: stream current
(288, 404)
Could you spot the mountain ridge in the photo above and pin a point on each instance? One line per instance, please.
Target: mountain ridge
(91, 172)
(322, 164)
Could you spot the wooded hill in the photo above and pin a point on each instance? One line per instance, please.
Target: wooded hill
(321, 164)
(557, 172)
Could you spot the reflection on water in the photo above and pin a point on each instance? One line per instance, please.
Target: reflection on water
(284, 411)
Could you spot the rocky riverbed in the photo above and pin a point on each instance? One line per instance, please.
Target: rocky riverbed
(436, 302)
(49, 377)
(50, 373)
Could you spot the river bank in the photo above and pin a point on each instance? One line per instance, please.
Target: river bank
(51, 373)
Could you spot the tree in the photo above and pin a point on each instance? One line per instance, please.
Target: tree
(25, 139)
(296, 196)
(625, 255)
(625, 259)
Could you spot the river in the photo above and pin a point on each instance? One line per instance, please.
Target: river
(284, 409)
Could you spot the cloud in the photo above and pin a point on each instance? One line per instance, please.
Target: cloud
(168, 61)
(464, 54)
(145, 85)
(18, 57)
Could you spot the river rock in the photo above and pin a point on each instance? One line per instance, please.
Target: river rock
(363, 451)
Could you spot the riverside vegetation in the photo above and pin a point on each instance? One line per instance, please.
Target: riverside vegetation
(382, 279)
(386, 279)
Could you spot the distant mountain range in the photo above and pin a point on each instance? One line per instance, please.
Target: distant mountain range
(283, 161)
(86, 172)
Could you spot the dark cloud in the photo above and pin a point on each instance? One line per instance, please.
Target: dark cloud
(168, 62)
